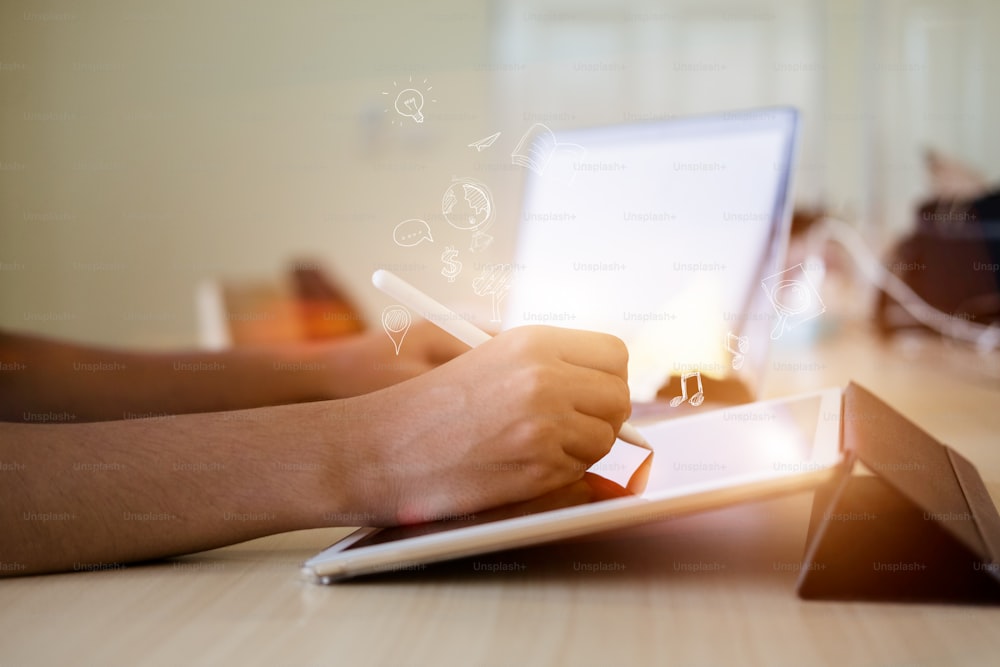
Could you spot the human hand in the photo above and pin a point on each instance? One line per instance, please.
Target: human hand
(517, 417)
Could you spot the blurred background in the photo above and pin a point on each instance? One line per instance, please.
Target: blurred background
(147, 147)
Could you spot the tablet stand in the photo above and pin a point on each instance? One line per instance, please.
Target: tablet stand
(921, 527)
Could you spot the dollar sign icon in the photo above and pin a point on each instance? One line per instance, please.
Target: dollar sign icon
(454, 267)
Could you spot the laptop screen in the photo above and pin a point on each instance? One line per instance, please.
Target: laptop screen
(664, 234)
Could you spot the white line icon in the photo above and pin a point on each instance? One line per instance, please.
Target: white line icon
(494, 281)
(396, 322)
(793, 298)
(468, 204)
(482, 144)
(452, 266)
(409, 102)
(412, 232)
(738, 346)
(699, 396)
(539, 145)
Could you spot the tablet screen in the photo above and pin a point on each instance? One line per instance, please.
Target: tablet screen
(727, 443)
(712, 450)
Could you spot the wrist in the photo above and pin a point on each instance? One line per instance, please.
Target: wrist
(328, 478)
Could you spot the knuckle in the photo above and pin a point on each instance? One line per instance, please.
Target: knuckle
(535, 430)
(620, 351)
(536, 381)
(519, 342)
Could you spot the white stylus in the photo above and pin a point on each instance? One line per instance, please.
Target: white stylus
(467, 332)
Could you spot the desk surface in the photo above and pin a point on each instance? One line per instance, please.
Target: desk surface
(713, 589)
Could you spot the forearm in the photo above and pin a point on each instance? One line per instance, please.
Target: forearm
(76, 496)
(518, 417)
(46, 381)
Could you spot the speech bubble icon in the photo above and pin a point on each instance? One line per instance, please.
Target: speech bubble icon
(411, 232)
(396, 322)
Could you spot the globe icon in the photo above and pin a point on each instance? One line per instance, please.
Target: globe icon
(467, 204)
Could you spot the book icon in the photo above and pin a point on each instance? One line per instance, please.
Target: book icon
(537, 148)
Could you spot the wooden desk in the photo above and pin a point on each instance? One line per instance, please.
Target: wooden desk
(714, 589)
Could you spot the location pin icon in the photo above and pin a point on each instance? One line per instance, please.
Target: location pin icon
(396, 322)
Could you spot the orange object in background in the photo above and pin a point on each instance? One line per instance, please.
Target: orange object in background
(324, 309)
(260, 313)
(307, 304)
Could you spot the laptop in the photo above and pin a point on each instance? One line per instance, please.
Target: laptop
(663, 236)
(670, 234)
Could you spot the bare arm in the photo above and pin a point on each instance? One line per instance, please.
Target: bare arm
(45, 381)
(75, 497)
(518, 417)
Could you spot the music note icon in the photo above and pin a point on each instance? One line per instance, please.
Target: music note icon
(741, 344)
(695, 400)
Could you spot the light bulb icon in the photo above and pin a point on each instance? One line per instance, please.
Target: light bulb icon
(410, 102)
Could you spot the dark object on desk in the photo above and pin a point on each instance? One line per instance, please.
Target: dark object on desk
(923, 528)
(951, 261)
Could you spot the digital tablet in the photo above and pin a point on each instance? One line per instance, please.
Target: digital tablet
(702, 461)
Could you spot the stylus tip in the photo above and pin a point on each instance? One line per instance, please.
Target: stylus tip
(631, 435)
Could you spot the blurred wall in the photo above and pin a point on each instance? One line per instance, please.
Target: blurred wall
(146, 147)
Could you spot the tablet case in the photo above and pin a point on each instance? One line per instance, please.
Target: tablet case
(921, 527)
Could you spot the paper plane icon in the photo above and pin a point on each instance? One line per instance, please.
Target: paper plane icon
(485, 142)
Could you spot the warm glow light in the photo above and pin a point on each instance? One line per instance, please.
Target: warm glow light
(694, 341)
